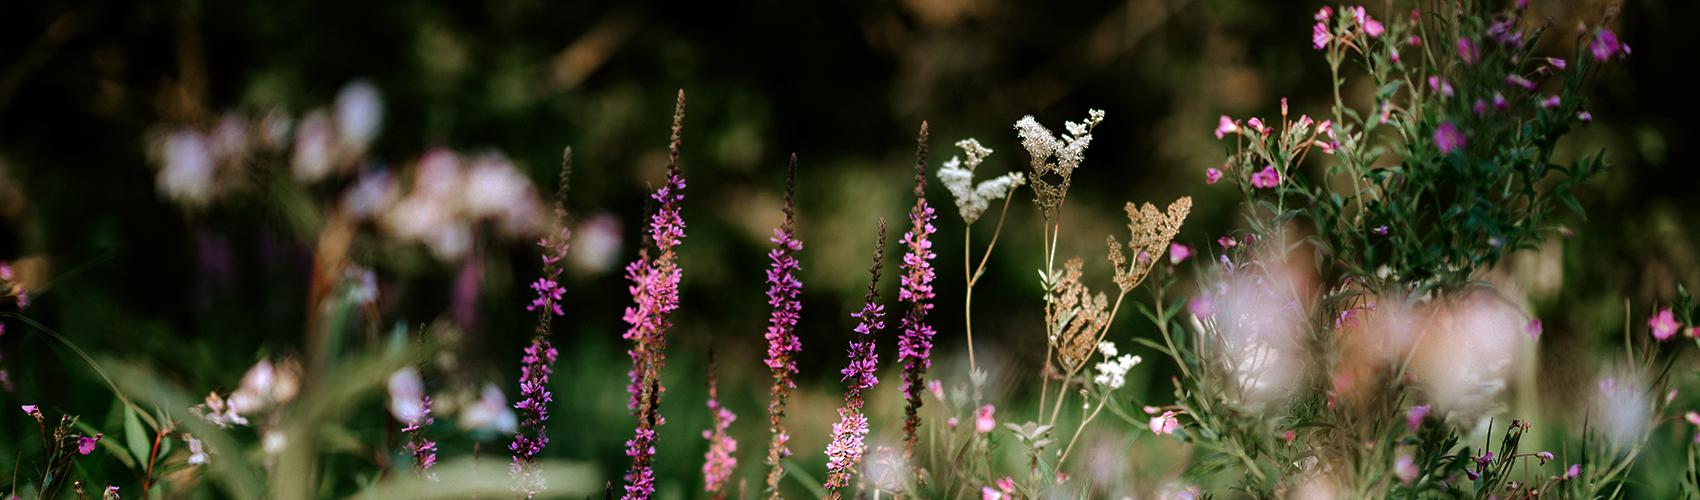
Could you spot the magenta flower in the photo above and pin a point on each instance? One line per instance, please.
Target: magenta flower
(1448, 138)
(845, 451)
(655, 295)
(1225, 126)
(915, 340)
(1585, 116)
(1439, 86)
(1211, 175)
(1605, 45)
(548, 296)
(1319, 32)
(1573, 472)
(423, 449)
(1201, 306)
(1663, 324)
(783, 290)
(1178, 253)
(1550, 102)
(1371, 27)
(537, 361)
(1516, 80)
(1499, 102)
(1467, 51)
(1165, 423)
(1533, 329)
(1414, 416)
(33, 411)
(983, 419)
(1266, 178)
(1257, 124)
(1544, 456)
(1555, 62)
(85, 444)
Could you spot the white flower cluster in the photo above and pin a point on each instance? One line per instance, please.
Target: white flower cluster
(958, 177)
(1112, 372)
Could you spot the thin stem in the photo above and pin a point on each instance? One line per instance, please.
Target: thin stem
(1079, 430)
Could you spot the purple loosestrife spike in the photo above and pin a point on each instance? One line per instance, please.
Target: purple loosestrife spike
(538, 361)
(424, 450)
(655, 295)
(844, 454)
(783, 289)
(718, 463)
(915, 343)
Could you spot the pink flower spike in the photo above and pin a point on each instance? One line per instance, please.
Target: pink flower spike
(1663, 324)
(1225, 126)
(1448, 138)
(1178, 253)
(983, 421)
(1533, 329)
(1414, 416)
(1266, 178)
(1212, 175)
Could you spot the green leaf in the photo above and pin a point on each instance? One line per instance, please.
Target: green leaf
(136, 437)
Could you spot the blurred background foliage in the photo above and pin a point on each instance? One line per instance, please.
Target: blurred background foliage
(198, 294)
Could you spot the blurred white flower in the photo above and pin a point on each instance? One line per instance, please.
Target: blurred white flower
(491, 413)
(197, 453)
(596, 244)
(496, 190)
(407, 395)
(188, 173)
(359, 115)
(1467, 351)
(1112, 372)
(315, 152)
(1624, 408)
(374, 192)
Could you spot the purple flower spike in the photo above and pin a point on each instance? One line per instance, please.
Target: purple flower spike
(538, 360)
(844, 454)
(783, 290)
(915, 343)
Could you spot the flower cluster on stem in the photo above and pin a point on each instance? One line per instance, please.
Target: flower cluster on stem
(844, 454)
(538, 360)
(718, 463)
(915, 343)
(655, 295)
(783, 290)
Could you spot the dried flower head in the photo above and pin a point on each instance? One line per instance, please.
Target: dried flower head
(1053, 159)
(1149, 234)
(973, 199)
(1076, 316)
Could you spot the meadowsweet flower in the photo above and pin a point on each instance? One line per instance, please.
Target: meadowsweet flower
(655, 295)
(1225, 126)
(1414, 416)
(1212, 175)
(845, 451)
(1051, 155)
(1267, 178)
(1663, 324)
(1405, 468)
(85, 444)
(718, 463)
(915, 340)
(1112, 372)
(1178, 253)
(1165, 423)
(783, 290)
(1467, 51)
(1605, 45)
(973, 199)
(1448, 138)
(983, 419)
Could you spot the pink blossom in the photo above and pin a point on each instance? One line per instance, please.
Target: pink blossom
(987, 493)
(1165, 423)
(1550, 102)
(1257, 124)
(85, 444)
(1467, 51)
(1266, 178)
(1405, 469)
(1533, 329)
(1585, 116)
(1227, 242)
(1448, 138)
(1414, 416)
(1544, 456)
(1605, 45)
(1005, 484)
(1178, 253)
(1225, 126)
(1516, 80)
(1319, 35)
(937, 388)
(1371, 27)
(1439, 86)
(983, 421)
(1555, 62)
(1664, 324)
(1211, 175)
(33, 411)
(1573, 472)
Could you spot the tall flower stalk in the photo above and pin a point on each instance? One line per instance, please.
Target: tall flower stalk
(539, 359)
(655, 295)
(783, 289)
(718, 463)
(915, 345)
(972, 200)
(423, 449)
(844, 454)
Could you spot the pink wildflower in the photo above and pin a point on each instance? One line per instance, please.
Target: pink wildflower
(1467, 51)
(1257, 124)
(1405, 468)
(1165, 423)
(1211, 175)
(1178, 253)
(915, 340)
(1225, 126)
(1266, 178)
(1533, 329)
(1605, 45)
(1448, 138)
(1663, 324)
(1414, 416)
(983, 421)
(783, 291)
(847, 448)
(85, 444)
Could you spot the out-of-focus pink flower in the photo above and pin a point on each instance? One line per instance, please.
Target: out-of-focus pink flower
(1227, 242)
(1212, 175)
(33, 411)
(1516, 80)
(1165, 423)
(1467, 51)
(1405, 468)
(937, 388)
(987, 493)
(1178, 253)
(1319, 32)
(1555, 62)
(1266, 178)
(1585, 116)
(950, 422)
(1663, 324)
(1573, 472)
(1005, 484)
(1544, 456)
(983, 421)
(1533, 329)
(1414, 416)
(1225, 126)
(1371, 27)
(1605, 45)
(1257, 124)
(1448, 138)
(1151, 410)
(1440, 86)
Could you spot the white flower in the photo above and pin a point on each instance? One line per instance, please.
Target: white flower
(407, 395)
(197, 453)
(188, 172)
(314, 147)
(359, 114)
(490, 413)
(1112, 372)
(958, 177)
